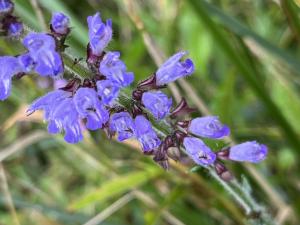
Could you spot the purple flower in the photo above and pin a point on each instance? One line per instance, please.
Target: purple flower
(107, 91)
(157, 103)
(115, 70)
(145, 134)
(6, 6)
(123, 124)
(250, 151)
(198, 151)
(61, 114)
(38, 42)
(173, 69)
(9, 66)
(89, 106)
(48, 102)
(208, 127)
(15, 29)
(26, 62)
(100, 34)
(65, 116)
(41, 48)
(60, 23)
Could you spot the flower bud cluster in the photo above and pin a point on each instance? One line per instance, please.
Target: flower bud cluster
(94, 103)
(9, 24)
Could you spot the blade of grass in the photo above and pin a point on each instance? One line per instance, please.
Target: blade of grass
(239, 29)
(117, 186)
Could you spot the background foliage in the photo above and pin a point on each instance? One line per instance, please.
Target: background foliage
(247, 71)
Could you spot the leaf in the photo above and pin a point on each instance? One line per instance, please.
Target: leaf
(117, 186)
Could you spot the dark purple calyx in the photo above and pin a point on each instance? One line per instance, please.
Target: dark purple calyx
(223, 172)
(182, 109)
(150, 83)
(72, 85)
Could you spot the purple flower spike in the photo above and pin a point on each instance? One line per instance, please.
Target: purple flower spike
(6, 6)
(250, 151)
(89, 106)
(15, 29)
(107, 91)
(208, 127)
(173, 69)
(41, 48)
(60, 23)
(198, 151)
(115, 70)
(157, 103)
(123, 124)
(145, 134)
(100, 34)
(9, 66)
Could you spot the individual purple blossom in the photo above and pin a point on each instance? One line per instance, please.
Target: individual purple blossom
(208, 127)
(38, 42)
(249, 151)
(198, 151)
(65, 117)
(157, 103)
(61, 114)
(89, 107)
(26, 62)
(15, 29)
(173, 69)
(145, 134)
(108, 91)
(114, 69)
(41, 48)
(6, 6)
(60, 23)
(48, 102)
(100, 33)
(9, 66)
(123, 124)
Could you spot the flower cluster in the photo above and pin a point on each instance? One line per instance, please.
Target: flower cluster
(95, 102)
(9, 24)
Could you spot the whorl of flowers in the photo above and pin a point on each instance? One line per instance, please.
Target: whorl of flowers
(95, 101)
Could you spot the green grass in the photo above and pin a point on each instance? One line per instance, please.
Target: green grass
(247, 72)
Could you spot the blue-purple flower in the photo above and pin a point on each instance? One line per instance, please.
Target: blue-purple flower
(198, 151)
(64, 116)
(145, 134)
(15, 29)
(208, 127)
(173, 69)
(60, 23)
(123, 124)
(41, 48)
(108, 91)
(9, 66)
(6, 6)
(250, 151)
(61, 114)
(26, 62)
(100, 33)
(114, 69)
(89, 107)
(157, 103)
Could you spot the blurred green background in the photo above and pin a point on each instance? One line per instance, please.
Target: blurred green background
(247, 71)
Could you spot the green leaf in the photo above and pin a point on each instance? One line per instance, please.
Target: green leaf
(117, 186)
